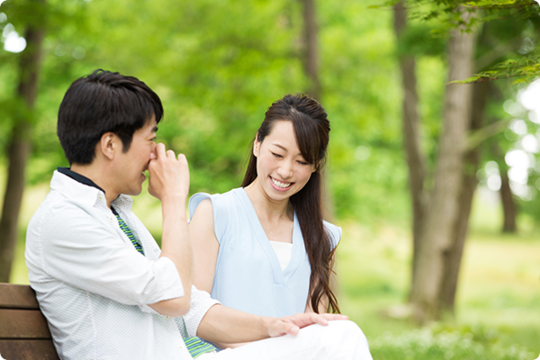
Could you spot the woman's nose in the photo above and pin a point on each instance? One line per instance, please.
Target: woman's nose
(285, 170)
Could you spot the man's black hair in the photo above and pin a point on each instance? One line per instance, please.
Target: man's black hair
(103, 102)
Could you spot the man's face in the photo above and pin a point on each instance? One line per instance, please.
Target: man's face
(132, 164)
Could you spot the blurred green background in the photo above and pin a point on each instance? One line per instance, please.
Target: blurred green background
(218, 65)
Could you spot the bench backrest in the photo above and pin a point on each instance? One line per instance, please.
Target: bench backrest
(24, 334)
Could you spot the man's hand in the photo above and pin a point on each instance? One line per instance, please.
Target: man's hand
(169, 182)
(169, 176)
(292, 324)
(224, 325)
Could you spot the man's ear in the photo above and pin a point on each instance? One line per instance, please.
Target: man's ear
(108, 145)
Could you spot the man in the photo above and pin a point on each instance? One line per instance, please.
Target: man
(106, 288)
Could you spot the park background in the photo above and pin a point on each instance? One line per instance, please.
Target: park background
(218, 65)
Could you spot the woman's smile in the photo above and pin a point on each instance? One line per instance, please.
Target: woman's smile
(279, 185)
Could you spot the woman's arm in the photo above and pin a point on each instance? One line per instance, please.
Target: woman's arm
(205, 246)
(323, 304)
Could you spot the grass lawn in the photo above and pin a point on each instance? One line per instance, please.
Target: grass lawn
(497, 312)
(498, 296)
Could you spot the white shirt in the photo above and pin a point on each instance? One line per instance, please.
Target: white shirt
(283, 252)
(94, 287)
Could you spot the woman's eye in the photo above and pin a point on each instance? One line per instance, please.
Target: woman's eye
(277, 155)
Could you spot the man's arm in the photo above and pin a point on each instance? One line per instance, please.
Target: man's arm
(169, 182)
(225, 325)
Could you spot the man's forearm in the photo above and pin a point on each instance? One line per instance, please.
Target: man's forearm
(225, 325)
(176, 246)
(175, 242)
(169, 182)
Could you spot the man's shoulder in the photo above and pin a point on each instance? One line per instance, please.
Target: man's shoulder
(61, 211)
(57, 203)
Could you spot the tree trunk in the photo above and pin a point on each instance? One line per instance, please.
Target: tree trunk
(452, 261)
(411, 136)
(437, 232)
(508, 203)
(310, 64)
(310, 55)
(19, 149)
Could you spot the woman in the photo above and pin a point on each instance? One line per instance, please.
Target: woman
(264, 248)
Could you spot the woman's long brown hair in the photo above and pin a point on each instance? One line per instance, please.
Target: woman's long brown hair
(312, 129)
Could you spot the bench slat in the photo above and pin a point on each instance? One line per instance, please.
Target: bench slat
(23, 324)
(27, 350)
(17, 297)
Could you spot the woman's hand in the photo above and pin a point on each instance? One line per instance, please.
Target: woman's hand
(292, 324)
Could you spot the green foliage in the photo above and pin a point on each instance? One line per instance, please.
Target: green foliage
(54, 15)
(421, 39)
(427, 344)
(443, 17)
(217, 68)
(526, 69)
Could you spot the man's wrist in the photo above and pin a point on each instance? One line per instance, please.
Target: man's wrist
(174, 203)
(266, 323)
(175, 198)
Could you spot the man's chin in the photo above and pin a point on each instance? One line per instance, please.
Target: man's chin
(134, 192)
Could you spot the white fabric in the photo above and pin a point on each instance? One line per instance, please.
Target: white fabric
(340, 340)
(94, 287)
(283, 252)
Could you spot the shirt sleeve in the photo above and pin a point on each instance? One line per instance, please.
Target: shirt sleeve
(221, 215)
(83, 248)
(200, 303)
(334, 232)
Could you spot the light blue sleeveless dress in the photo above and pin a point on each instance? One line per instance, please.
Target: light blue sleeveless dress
(248, 274)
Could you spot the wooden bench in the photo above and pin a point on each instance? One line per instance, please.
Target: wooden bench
(24, 333)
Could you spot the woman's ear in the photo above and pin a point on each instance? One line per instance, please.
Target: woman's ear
(315, 168)
(256, 145)
(108, 144)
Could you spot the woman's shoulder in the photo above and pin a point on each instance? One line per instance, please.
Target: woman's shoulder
(217, 207)
(220, 202)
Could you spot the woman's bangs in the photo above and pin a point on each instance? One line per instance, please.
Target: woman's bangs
(308, 138)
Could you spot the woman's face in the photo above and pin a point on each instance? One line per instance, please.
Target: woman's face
(282, 171)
